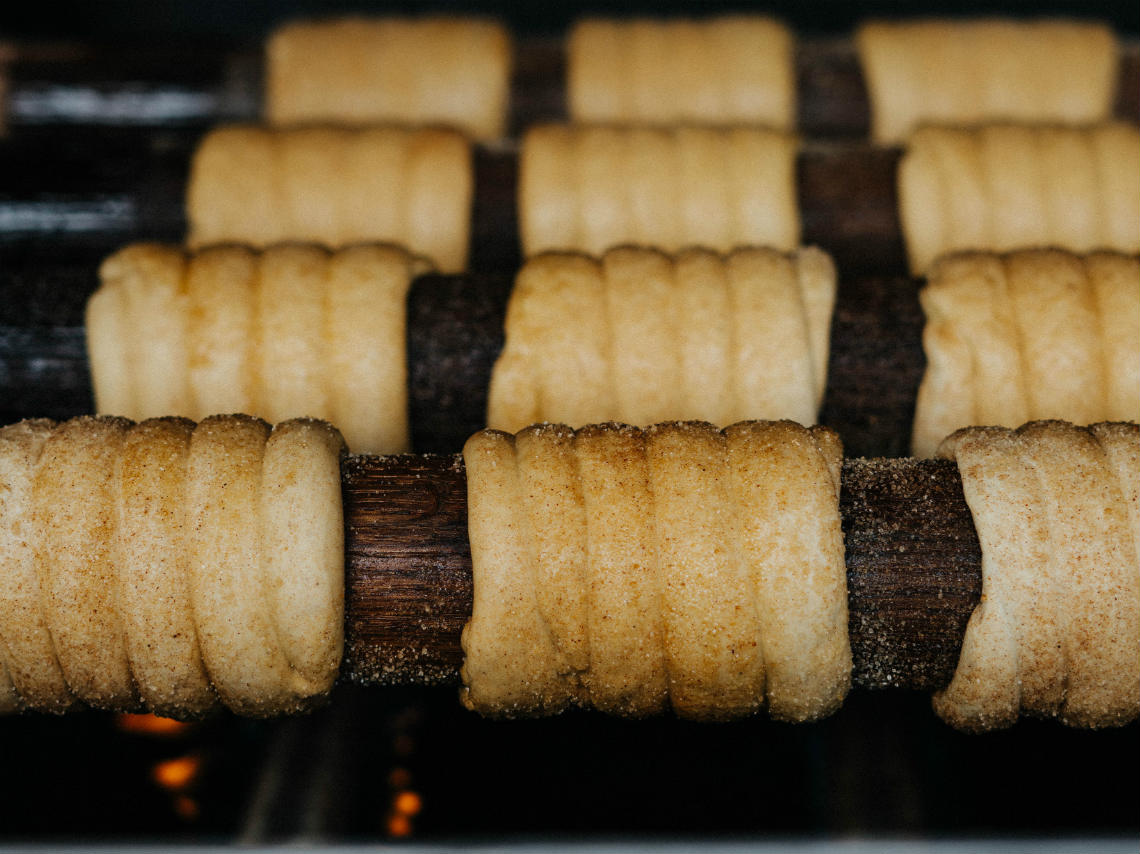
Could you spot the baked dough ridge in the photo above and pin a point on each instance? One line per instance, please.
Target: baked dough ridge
(167, 566)
(678, 567)
(1058, 627)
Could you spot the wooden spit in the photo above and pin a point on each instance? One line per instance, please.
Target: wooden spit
(913, 569)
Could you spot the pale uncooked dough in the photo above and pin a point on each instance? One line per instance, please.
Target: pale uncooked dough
(289, 331)
(735, 69)
(655, 337)
(588, 188)
(969, 72)
(335, 186)
(1029, 335)
(451, 71)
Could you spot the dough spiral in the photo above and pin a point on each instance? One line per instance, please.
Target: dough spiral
(292, 330)
(592, 187)
(1008, 187)
(734, 69)
(335, 186)
(970, 72)
(1028, 335)
(169, 566)
(696, 335)
(1057, 634)
(433, 70)
(638, 570)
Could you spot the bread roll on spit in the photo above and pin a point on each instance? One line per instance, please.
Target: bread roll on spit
(1056, 633)
(288, 331)
(1006, 187)
(1028, 335)
(168, 566)
(677, 567)
(971, 72)
(448, 71)
(589, 188)
(335, 186)
(695, 335)
(730, 70)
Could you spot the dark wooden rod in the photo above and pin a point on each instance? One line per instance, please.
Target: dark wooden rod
(913, 569)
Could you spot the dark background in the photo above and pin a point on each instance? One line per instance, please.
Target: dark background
(243, 19)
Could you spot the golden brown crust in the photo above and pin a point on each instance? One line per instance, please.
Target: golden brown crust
(504, 612)
(735, 69)
(635, 571)
(656, 337)
(153, 569)
(334, 186)
(29, 655)
(589, 188)
(1028, 335)
(289, 331)
(447, 71)
(1056, 632)
(974, 71)
(73, 522)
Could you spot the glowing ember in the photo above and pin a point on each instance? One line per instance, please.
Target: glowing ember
(399, 825)
(150, 725)
(186, 807)
(407, 803)
(177, 773)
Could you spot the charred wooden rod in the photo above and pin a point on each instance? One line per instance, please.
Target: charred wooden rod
(913, 569)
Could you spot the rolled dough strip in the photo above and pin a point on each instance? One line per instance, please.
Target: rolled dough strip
(793, 548)
(302, 552)
(228, 586)
(73, 517)
(714, 659)
(153, 576)
(511, 666)
(29, 654)
(1056, 631)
